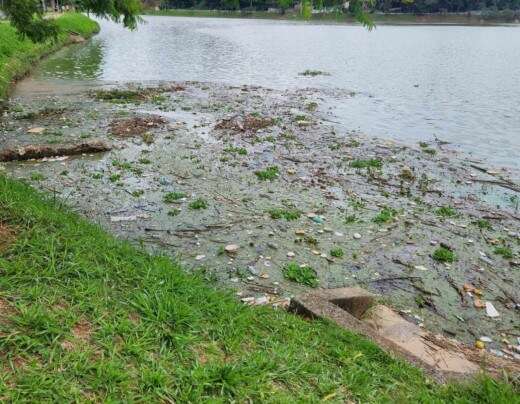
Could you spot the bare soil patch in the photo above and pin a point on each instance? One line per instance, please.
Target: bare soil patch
(248, 123)
(135, 126)
(7, 237)
(82, 330)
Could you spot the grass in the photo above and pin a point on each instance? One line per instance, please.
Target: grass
(337, 252)
(385, 215)
(88, 317)
(174, 212)
(115, 177)
(442, 254)
(198, 204)
(172, 197)
(35, 176)
(505, 252)
(483, 224)
(349, 219)
(371, 163)
(236, 150)
(446, 211)
(18, 55)
(286, 213)
(427, 149)
(269, 174)
(302, 275)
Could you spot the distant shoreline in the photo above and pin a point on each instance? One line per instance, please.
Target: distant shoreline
(379, 18)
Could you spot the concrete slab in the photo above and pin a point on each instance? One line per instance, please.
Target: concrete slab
(355, 310)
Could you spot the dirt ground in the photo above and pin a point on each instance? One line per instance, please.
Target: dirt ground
(239, 182)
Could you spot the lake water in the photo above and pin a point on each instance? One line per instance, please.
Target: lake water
(458, 83)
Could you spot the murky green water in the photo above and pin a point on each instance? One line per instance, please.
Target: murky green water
(413, 83)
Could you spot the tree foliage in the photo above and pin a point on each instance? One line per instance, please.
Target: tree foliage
(357, 7)
(27, 16)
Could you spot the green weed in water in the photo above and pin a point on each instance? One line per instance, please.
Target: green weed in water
(287, 214)
(37, 176)
(269, 174)
(198, 204)
(371, 163)
(483, 224)
(386, 215)
(336, 252)
(172, 197)
(446, 211)
(505, 252)
(304, 276)
(442, 254)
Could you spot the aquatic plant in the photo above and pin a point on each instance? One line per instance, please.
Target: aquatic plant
(505, 252)
(198, 203)
(269, 174)
(443, 254)
(336, 252)
(446, 211)
(371, 163)
(172, 197)
(386, 215)
(302, 275)
(286, 213)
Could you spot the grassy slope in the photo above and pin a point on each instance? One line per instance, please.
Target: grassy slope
(17, 55)
(86, 316)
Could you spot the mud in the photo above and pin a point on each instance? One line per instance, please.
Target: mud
(41, 151)
(357, 210)
(135, 126)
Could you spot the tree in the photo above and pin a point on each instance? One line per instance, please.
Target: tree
(284, 4)
(27, 15)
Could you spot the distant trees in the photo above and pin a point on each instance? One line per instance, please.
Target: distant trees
(408, 6)
(435, 6)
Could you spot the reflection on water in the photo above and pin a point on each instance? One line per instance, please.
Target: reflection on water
(461, 84)
(78, 62)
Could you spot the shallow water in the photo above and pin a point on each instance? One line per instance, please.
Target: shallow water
(458, 83)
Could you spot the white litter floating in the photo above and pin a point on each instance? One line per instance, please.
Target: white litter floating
(491, 311)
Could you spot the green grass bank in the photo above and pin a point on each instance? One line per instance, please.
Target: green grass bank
(18, 55)
(87, 317)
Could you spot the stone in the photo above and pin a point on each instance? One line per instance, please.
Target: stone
(479, 304)
(231, 248)
(290, 254)
(36, 131)
(200, 257)
(491, 311)
(357, 236)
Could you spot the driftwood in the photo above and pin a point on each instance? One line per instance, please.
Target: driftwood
(41, 151)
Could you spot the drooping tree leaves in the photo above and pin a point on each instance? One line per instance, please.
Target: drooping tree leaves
(27, 15)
